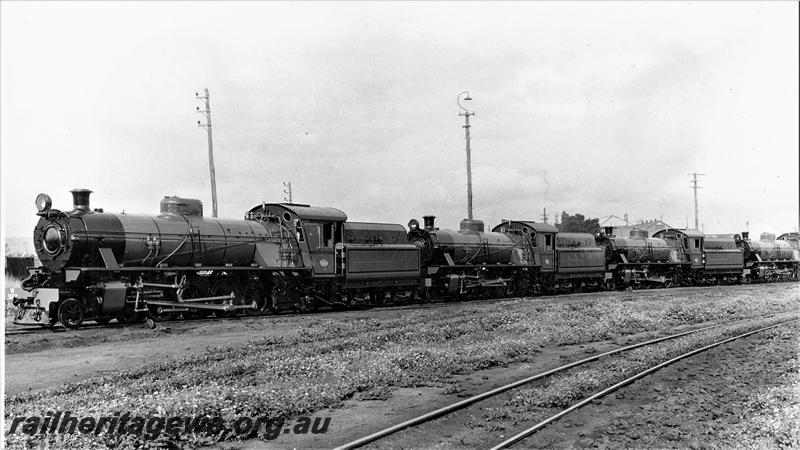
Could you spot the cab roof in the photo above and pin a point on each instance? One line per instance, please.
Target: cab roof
(684, 232)
(306, 212)
(535, 226)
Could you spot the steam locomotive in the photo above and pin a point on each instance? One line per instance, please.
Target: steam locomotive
(101, 266)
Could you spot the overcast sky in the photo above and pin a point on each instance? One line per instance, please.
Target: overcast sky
(592, 108)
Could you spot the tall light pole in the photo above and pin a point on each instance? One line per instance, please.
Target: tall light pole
(695, 187)
(466, 115)
(207, 112)
(287, 191)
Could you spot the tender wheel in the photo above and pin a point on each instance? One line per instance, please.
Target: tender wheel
(377, 297)
(70, 313)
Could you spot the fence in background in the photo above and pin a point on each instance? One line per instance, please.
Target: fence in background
(17, 266)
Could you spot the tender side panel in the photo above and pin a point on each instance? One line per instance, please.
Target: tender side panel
(581, 260)
(724, 259)
(381, 262)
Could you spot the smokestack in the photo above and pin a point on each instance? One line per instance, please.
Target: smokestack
(428, 220)
(80, 200)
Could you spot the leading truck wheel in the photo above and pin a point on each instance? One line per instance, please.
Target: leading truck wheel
(70, 313)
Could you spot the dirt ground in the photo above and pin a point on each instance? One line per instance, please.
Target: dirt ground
(691, 404)
(695, 403)
(639, 416)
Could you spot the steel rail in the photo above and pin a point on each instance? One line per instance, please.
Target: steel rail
(435, 304)
(474, 399)
(520, 436)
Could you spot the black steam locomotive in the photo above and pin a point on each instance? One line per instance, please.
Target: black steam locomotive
(101, 266)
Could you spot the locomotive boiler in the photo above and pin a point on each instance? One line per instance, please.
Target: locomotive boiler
(768, 250)
(637, 248)
(469, 261)
(179, 236)
(461, 247)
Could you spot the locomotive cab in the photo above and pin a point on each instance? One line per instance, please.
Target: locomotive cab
(317, 231)
(689, 244)
(541, 237)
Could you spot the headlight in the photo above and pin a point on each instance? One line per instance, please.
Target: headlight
(43, 202)
(52, 240)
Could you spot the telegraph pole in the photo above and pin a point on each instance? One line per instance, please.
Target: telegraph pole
(695, 187)
(466, 115)
(287, 191)
(207, 112)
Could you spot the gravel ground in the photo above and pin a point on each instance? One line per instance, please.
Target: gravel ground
(700, 402)
(515, 338)
(744, 394)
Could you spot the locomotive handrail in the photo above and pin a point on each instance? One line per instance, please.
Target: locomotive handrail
(188, 232)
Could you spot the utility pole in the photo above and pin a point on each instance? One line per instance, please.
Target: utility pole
(695, 187)
(544, 216)
(287, 191)
(466, 115)
(207, 112)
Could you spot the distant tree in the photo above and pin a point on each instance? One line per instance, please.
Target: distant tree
(578, 223)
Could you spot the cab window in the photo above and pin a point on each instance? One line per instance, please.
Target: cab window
(313, 236)
(328, 232)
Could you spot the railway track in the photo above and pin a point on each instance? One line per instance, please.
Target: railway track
(454, 407)
(401, 307)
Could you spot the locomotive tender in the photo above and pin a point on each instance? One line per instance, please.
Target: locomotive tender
(101, 266)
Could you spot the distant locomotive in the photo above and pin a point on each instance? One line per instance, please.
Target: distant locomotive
(101, 266)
